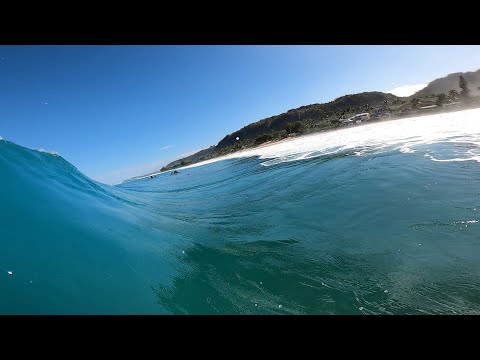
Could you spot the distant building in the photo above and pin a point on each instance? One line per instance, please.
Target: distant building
(358, 117)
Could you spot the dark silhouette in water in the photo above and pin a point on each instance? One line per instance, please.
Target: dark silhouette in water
(174, 172)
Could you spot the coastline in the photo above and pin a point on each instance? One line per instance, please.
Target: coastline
(306, 136)
(365, 123)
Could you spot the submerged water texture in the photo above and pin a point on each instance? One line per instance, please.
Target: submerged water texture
(376, 219)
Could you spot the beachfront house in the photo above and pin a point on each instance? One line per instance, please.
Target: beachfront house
(358, 118)
(362, 116)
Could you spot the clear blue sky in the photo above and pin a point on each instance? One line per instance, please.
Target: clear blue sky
(120, 111)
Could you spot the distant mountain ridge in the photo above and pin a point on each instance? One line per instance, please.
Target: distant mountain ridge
(312, 113)
(450, 82)
(322, 115)
(192, 158)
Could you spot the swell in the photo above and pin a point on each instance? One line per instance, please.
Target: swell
(367, 227)
(71, 242)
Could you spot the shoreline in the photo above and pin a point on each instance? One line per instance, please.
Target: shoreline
(275, 142)
(304, 136)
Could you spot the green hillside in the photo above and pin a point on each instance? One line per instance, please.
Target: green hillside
(444, 94)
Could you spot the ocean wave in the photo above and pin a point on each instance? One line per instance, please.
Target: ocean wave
(346, 222)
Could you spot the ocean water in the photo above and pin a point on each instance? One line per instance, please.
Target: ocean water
(375, 219)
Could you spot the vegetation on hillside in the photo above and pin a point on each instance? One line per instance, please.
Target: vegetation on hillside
(450, 82)
(448, 95)
(465, 91)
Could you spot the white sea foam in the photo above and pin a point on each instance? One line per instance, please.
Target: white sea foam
(402, 135)
(406, 150)
(48, 152)
(476, 158)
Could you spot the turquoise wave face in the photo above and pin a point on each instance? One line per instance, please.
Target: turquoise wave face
(349, 232)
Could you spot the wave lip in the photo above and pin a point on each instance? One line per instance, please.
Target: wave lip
(48, 152)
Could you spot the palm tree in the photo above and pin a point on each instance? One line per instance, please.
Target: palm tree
(441, 99)
(453, 94)
(465, 91)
